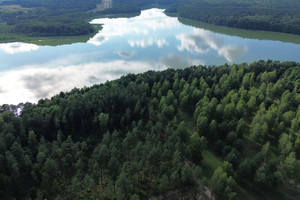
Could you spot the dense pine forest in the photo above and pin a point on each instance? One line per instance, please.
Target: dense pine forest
(226, 132)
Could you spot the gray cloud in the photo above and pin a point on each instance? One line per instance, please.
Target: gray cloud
(93, 79)
(199, 41)
(174, 61)
(2, 90)
(232, 52)
(40, 84)
(177, 61)
(98, 39)
(125, 54)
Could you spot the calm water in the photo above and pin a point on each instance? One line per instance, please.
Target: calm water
(151, 41)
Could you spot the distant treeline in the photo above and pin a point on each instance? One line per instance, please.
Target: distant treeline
(54, 29)
(50, 18)
(277, 16)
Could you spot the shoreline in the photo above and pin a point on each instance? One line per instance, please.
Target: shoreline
(243, 33)
(62, 40)
(56, 40)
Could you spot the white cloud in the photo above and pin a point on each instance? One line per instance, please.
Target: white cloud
(18, 47)
(199, 41)
(98, 39)
(231, 52)
(148, 42)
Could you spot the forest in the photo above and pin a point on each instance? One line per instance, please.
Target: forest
(274, 15)
(229, 132)
(48, 18)
(70, 17)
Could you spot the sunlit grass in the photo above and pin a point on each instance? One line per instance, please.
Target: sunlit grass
(209, 163)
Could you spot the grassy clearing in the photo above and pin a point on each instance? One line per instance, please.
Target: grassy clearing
(188, 120)
(13, 8)
(209, 163)
(245, 189)
(250, 147)
(252, 34)
(114, 16)
(248, 191)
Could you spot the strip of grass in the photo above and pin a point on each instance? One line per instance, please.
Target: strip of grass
(13, 8)
(127, 15)
(249, 191)
(209, 163)
(188, 120)
(246, 190)
(252, 34)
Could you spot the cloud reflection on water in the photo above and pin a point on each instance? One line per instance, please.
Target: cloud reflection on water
(148, 42)
(177, 61)
(201, 41)
(232, 52)
(32, 83)
(177, 46)
(147, 22)
(125, 54)
(155, 22)
(18, 47)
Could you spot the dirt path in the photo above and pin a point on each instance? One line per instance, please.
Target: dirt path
(208, 193)
(105, 4)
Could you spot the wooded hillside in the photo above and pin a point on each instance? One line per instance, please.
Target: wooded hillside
(232, 129)
(274, 15)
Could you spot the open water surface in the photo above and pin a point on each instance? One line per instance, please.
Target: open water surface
(150, 41)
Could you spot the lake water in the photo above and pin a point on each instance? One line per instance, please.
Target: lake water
(151, 41)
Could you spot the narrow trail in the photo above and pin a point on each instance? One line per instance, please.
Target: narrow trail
(105, 4)
(208, 193)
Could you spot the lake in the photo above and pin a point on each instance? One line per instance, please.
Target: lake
(150, 41)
